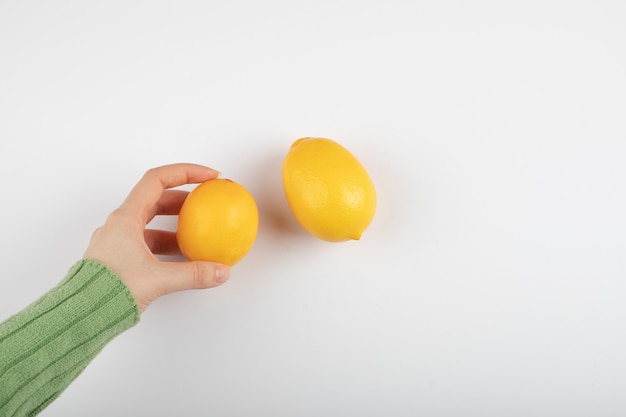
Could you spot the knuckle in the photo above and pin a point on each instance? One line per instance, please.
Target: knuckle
(120, 217)
(152, 172)
(156, 175)
(116, 215)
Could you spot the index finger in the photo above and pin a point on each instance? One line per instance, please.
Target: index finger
(147, 192)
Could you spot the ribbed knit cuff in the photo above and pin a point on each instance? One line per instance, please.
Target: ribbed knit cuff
(47, 345)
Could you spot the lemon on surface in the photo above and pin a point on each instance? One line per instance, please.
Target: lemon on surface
(328, 190)
(218, 222)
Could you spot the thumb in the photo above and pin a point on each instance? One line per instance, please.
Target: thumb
(180, 276)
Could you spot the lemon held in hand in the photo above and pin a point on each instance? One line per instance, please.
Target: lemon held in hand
(328, 190)
(218, 222)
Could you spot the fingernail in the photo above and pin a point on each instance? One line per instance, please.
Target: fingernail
(222, 273)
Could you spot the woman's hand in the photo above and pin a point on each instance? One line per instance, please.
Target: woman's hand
(128, 248)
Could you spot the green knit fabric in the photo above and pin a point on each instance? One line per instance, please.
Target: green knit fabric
(47, 345)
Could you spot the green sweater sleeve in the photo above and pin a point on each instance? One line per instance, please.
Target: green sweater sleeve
(47, 345)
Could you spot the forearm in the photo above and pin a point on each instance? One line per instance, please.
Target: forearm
(47, 345)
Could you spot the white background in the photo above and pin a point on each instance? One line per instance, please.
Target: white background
(492, 281)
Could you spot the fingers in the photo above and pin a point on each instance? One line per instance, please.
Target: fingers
(170, 203)
(148, 191)
(180, 276)
(161, 242)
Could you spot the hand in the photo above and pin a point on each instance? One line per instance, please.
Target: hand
(125, 245)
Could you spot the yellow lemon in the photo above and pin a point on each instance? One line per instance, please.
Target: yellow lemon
(328, 190)
(218, 222)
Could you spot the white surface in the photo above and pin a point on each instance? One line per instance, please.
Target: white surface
(492, 280)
